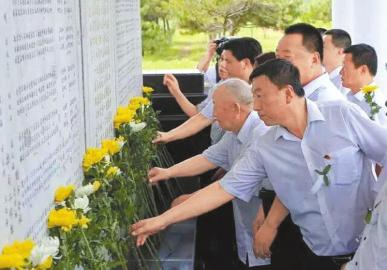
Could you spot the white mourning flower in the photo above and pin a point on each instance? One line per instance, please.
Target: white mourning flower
(82, 203)
(48, 247)
(136, 127)
(84, 191)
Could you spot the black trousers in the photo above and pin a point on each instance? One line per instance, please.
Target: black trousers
(290, 252)
(242, 266)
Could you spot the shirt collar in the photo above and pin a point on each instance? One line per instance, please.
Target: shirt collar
(314, 114)
(336, 72)
(315, 84)
(244, 133)
(359, 95)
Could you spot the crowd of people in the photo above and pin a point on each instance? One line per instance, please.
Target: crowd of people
(301, 137)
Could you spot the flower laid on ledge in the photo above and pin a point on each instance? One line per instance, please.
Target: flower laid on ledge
(88, 224)
(27, 255)
(147, 89)
(93, 155)
(63, 192)
(87, 189)
(369, 94)
(113, 146)
(64, 218)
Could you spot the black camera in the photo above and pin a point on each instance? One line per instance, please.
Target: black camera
(220, 44)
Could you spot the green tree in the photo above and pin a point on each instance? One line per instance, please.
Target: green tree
(213, 16)
(276, 14)
(318, 13)
(156, 27)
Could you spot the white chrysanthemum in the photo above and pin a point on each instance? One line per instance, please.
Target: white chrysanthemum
(84, 191)
(137, 127)
(82, 203)
(48, 247)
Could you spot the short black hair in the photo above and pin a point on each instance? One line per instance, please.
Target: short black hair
(263, 57)
(281, 73)
(311, 37)
(321, 30)
(340, 38)
(364, 54)
(245, 47)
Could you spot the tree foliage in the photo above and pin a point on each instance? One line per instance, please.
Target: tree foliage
(156, 27)
(318, 13)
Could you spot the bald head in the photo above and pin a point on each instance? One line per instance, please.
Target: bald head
(233, 101)
(235, 89)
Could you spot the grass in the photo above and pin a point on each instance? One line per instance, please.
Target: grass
(186, 50)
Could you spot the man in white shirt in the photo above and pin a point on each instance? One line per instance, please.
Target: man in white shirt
(335, 42)
(372, 252)
(305, 137)
(359, 70)
(237, 59)
(233, 109)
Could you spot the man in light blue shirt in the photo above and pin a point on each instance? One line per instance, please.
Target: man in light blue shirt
(359, 70)
(234, 111)
(317, 159)
(372, 252)
(237, 61)
(335, 42)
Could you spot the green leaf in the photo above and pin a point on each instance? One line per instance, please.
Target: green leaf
(320, 173)
(368, 216)
(326, 180)
(326, 169)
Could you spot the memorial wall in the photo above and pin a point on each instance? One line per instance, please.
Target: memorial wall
(65, 65)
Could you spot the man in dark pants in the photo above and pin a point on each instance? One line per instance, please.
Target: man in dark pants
(327, 185)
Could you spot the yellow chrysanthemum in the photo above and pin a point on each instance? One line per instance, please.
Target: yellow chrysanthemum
(96, 185)
(112, 146)
(147, 90)
(46, 264)
(133, 107)
(83, 222)
(93, 156)
(369, 88)
(12, 261)
(113, 171)
(63, 192)
(139, 101)
(123, 115)
(64, 218)
(23, 248)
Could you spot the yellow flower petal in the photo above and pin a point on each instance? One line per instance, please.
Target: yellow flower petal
(92, 156)
(64, 218)
(83, 222)
(96, 185)
(147, 89)
(369, 88)
(46, 264)
(11, 261)
(23, 248)
(63, 192)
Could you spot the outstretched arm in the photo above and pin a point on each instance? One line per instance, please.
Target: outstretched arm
(203, 201)
(189, 167)
(190, 127)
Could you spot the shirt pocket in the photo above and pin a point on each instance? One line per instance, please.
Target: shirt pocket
(345, 165)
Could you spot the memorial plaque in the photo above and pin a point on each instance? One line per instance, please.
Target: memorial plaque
(44, 119)
(128, 50)
(98, 36)
(59, 92)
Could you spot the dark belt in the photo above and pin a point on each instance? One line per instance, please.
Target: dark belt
(342, 259)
